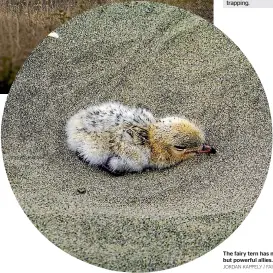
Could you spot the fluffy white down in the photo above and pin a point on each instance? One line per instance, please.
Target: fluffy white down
(99, 134)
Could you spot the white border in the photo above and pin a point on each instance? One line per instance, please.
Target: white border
(24, 249)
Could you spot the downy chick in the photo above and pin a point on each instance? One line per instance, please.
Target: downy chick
(122, 139)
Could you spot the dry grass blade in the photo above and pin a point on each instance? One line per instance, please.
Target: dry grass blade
(24, 24)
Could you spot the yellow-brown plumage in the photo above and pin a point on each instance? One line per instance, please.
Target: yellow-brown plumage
(171, 132)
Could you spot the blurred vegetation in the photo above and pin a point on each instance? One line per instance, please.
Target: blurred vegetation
(24, 24)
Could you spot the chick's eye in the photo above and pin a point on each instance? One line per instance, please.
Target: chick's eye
(178, 147)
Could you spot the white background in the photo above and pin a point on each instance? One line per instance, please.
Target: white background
(24, 249)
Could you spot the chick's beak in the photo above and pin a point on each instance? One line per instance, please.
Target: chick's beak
(207, 149)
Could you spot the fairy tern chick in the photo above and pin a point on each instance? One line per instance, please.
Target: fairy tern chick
(122, 139)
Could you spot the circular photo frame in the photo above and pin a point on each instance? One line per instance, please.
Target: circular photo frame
(156, 83)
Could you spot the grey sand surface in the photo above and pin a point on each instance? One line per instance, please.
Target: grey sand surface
(174, 63)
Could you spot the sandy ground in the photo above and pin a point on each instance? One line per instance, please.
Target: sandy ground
(174, 63)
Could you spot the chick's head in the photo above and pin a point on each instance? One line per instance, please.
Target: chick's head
(174, 139)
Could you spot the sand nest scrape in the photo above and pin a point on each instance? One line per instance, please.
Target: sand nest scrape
(174, 63)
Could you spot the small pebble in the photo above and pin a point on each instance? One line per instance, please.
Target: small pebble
(53, 34)
(81, 190)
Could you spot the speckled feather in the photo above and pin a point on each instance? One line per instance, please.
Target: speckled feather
(122, 139)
